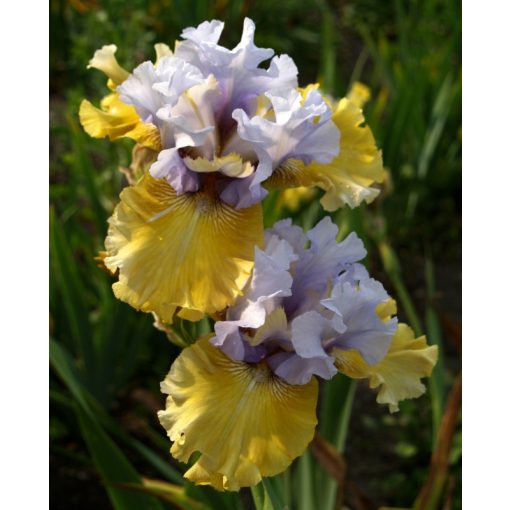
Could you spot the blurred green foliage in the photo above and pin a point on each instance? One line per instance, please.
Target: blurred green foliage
(107, 359)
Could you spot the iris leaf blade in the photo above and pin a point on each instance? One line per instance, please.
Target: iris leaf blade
(114, 467)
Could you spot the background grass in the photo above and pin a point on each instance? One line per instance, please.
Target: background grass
(107, 360)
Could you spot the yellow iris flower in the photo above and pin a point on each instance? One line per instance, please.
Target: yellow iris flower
(190, 251)
(256, 423)
(195, 253)
(186, 244)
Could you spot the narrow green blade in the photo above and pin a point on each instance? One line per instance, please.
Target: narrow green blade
(114, 467)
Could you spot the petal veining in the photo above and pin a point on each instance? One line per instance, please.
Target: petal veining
(186, 250)
(245, 422)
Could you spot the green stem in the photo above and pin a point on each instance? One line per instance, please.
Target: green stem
(391, 266)
(437, 386)
(342, 389)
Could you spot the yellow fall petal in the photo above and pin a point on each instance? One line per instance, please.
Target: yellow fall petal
(104, 60)
(350, 175)
(246, 422)
(188, 250)
(348, 178)
(398, 374)
(115, 120)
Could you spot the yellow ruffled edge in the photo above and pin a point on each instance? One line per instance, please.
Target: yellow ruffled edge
(349, 177)
(245, 422)
(398, 375)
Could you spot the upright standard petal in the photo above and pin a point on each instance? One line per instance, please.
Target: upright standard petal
(150, 88)
(398, 374)
(349, 177)
(237, 71)
(208, 32)
(293, 234)
(301, 130)
(246, 422)
(270, 281)
(186, 250)
(321, 263)
(358, 306)
(191, 119)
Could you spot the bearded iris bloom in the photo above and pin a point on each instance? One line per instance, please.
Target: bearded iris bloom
(245, 396)
(217, 130)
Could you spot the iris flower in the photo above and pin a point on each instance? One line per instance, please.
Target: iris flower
(245, 397)
(214, 131)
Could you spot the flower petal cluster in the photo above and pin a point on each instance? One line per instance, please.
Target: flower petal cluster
(218, 111)
(309, 310)
(219, 127)
(349, 177)
(307, 302)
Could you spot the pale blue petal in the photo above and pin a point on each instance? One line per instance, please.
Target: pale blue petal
(242, 193)
(296, 370)
(366, 332)
(308, 332)
(170, 166)
(300, 130)
(293, 234)
(321, 264)
(150, 88)
(236, 70)
(270, 282)
(208, 32)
